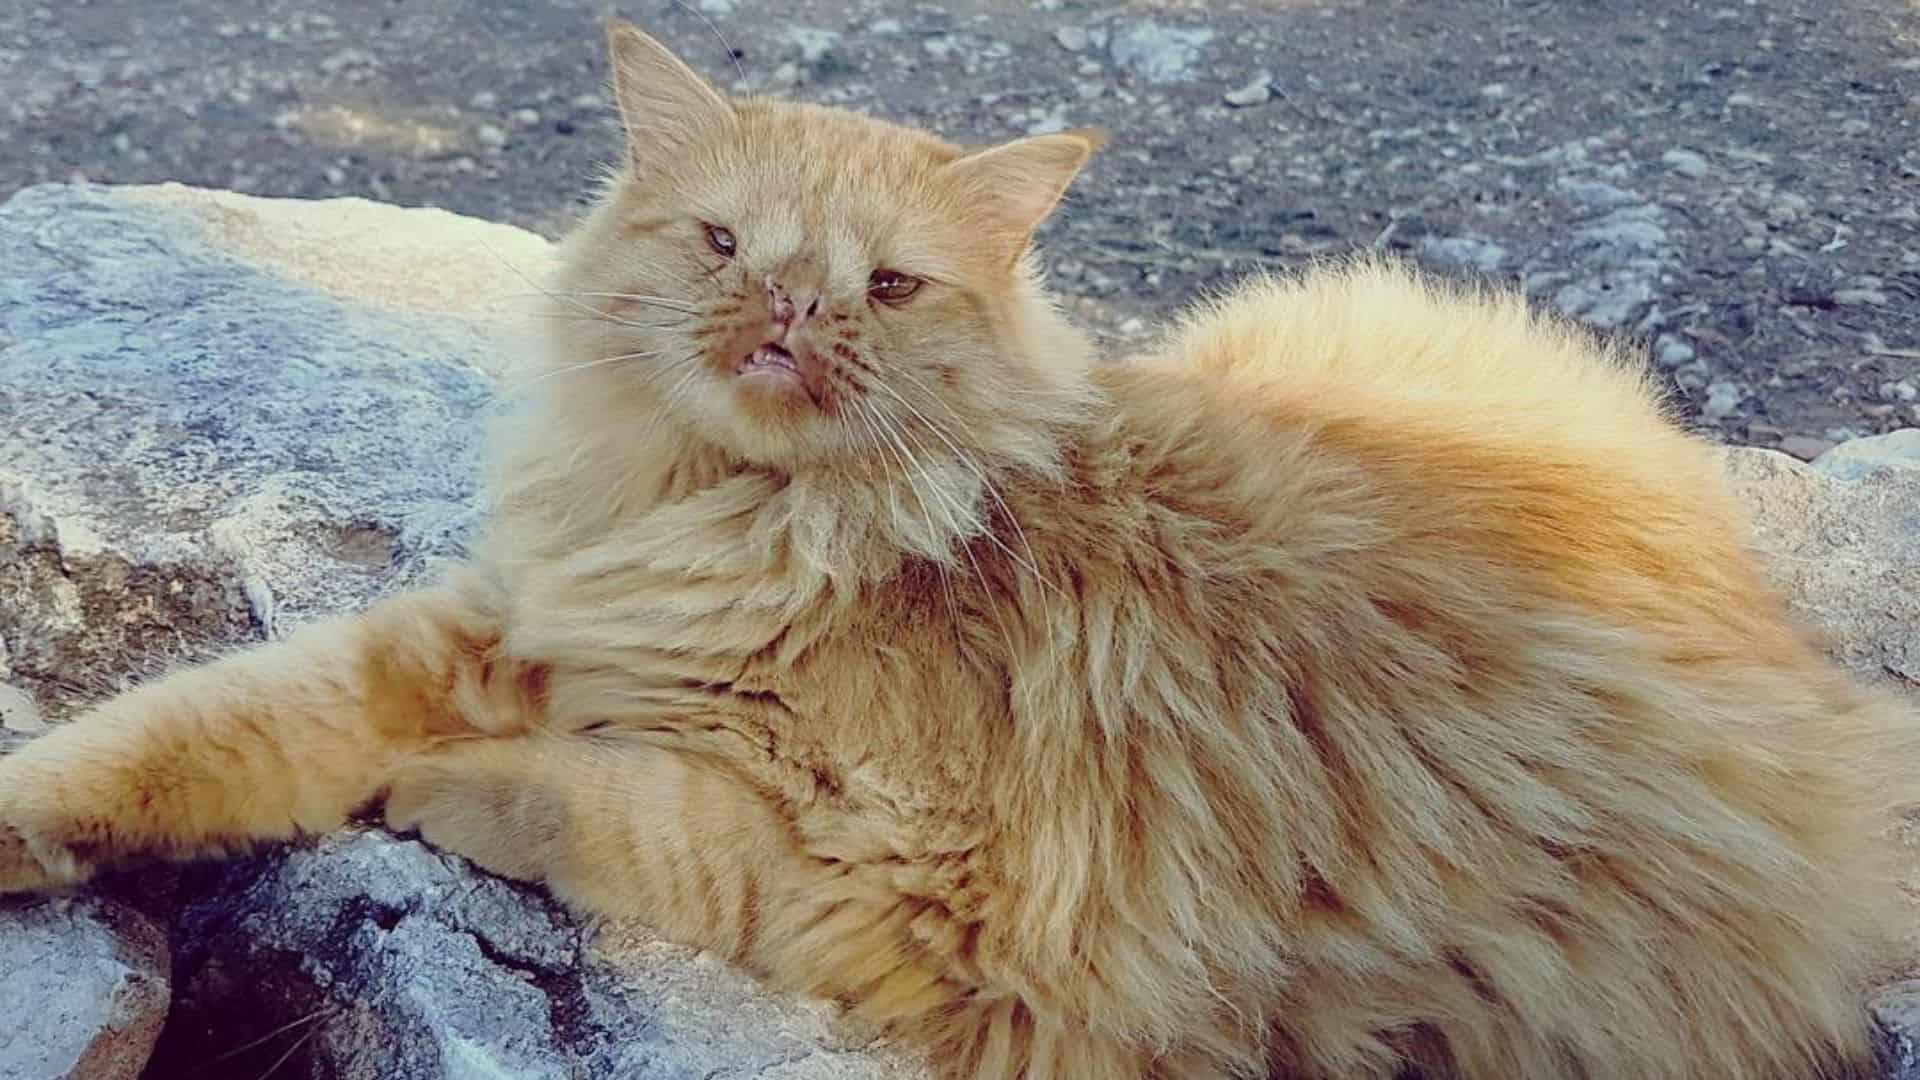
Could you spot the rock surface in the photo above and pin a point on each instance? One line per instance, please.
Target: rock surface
(229, 414)
(225, 415)
(1842, 536)
(395, 962)
(223, 411)
(85, 984)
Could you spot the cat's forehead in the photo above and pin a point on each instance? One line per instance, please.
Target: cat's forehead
(818, 172)
(829, 148)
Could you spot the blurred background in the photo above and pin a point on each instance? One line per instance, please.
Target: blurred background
(1735, 183)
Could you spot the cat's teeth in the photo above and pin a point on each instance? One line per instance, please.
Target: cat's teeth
(773, 369)
(770, 357)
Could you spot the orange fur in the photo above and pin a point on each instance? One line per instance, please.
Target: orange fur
(1370, 678)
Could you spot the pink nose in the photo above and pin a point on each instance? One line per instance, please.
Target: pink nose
(792, 310)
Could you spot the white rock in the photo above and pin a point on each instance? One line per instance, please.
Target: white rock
(1158, 53)
(86, 983)
(1723, 400)
(19, 713)
(1257, 92)
(1860, 297)
(309, 422)
(1472, 252)
(1839, 539)
(1856, 458)
(814, 44)
(1686, 162)
(437, 963)
(1672, 352)
(1072, 38)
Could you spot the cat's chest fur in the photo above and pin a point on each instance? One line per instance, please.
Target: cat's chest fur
(702, 617)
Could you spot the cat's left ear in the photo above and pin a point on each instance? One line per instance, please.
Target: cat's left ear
(1014, 186)
(664, 104)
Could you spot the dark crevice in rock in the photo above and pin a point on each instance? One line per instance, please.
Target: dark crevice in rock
(568, 1011)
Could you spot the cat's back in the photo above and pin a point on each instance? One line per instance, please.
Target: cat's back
(1502, 628)
(1378, 352)
(1447, 433)
(1405, 470)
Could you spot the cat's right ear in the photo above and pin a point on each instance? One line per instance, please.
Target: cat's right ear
(1014, 186)
(664, 104)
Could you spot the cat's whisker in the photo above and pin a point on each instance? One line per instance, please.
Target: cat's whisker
(680, 386)
(568, 316)
(941, 569)
(1031, 562)
(906, 473)
(733, 54)
(666, 302)
(864, 413)
(552, 295)
(571, 368)
(953, 512)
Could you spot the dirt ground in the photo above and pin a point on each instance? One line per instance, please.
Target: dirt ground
(1735, 183)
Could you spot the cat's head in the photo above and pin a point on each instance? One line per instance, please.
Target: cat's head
(800, 284)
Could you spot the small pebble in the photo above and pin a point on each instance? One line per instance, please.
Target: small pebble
(1723, 400)
(1257, 92)
(1072, 38)
(1686, 163)
(1860, 298)
(491, 135)
(1673, 352)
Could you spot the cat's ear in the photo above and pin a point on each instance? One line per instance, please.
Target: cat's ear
(664, 104)
(1014, 186)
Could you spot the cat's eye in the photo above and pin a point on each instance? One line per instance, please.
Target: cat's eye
(720, 239)
(892, 286)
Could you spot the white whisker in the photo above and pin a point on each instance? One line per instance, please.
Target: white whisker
(571, 368)
(638, 298)
(550, 294)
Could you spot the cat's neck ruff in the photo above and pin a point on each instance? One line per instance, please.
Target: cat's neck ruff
(572, 472)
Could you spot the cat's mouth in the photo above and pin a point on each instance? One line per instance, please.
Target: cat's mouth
(772, 360)
(773, 371)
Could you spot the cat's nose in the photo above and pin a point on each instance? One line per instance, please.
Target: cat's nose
(792, 308)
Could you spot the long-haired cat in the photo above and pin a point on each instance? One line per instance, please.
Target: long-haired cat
(1373, 679)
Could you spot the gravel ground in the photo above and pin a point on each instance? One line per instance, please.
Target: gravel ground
(1735, 183)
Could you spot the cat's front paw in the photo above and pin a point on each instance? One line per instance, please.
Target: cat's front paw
(30, 861)
(464, 803)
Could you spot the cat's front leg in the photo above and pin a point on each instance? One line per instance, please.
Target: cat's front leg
(268, 744)
(637, 831)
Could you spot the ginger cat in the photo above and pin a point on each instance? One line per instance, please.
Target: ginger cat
(1372, 680)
